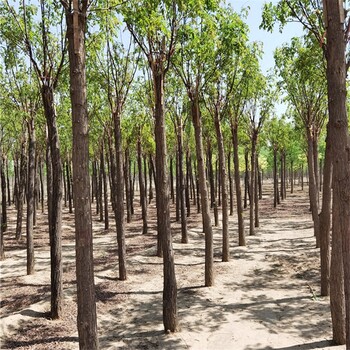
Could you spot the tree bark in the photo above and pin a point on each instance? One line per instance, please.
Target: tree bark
(325, 220)
(313, 189)
(339, 139)
(30, 197)
(143, 198)
(87, 320)
(127, 185)
(181, 181)
(170, 319)
(252, 185)
(105, 189)
(119, 193)
(3, 221)
(55, 222)
(241, 231)
(223, 177)
(207, 228)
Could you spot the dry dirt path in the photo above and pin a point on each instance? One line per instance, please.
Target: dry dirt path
(264, 298)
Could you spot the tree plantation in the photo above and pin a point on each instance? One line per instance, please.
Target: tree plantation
(153, 193)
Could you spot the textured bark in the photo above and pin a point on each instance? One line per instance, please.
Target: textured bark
(69, 186)
(41, 179)
(119, 193)
(213, 202)
(3, 222)
(55, 222)
(2, 253)
(171, 180)
(100, 192)
(143, 198)
(207, 227)
(188, 187)
(30, 197)
(256, 196)
(339, 139)
(150, 176)
(127, 185)
(87, 320)
(181, 181)
(336, 281)
(223, 177)
(105, 189)
(313, 189)
(275, 179)
(246, 179)
(230, 180)
(325, 220)
(252, 184)
(170, 319)
(241, 231)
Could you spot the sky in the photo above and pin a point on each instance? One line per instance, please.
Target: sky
(270, 40)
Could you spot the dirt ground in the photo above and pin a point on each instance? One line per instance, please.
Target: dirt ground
(266, 297)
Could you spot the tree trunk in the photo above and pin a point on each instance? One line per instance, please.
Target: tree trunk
(150, 175)
(252, 185)
(119, 193)
(30, 197)
(3, 222)
(127, 185)
(241, 231)
(100, 192)
(339, 139)
(313, 189)
(2, 253)
(256, 196)
(207, 228)
(223, 177)
(336, 281)
(105, 189)
(87, 320)
(143, 198)
(246, 179)
(170, 320)
(230, 181)
(325, 220)
(213, 202)
(69, 186)
(171, 179)
(55, 222)
(181, 182)
(275, 179)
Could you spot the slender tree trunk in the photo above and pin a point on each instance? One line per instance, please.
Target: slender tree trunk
(275, 179)
(291, 178)
(150, 174)
(87, 320)
(69, 186)
(316, 168)
(230, 181)
(127, 185)
(171, 179)
(2, 253)
(241, 231)
(325, 220)
(252, 185)
(3, 222)
(143, 198)
(55, 222)
(223, 177)
(247, 191)
(256, 195)
(213, 202)
(313, 190)
(207, 228)
(119, 193)
(182, 187)
(340, 142)
(105, 189)
(100, 191)
(188, 187)
(30, 197)
(170, 320)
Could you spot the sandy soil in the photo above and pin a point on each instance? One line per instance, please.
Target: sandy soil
(266, 297)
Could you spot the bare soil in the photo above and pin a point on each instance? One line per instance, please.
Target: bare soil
(266, 297)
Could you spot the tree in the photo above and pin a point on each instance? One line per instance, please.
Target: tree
(331, 32)
(154, 27)
(306, 92)
(76, 19)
